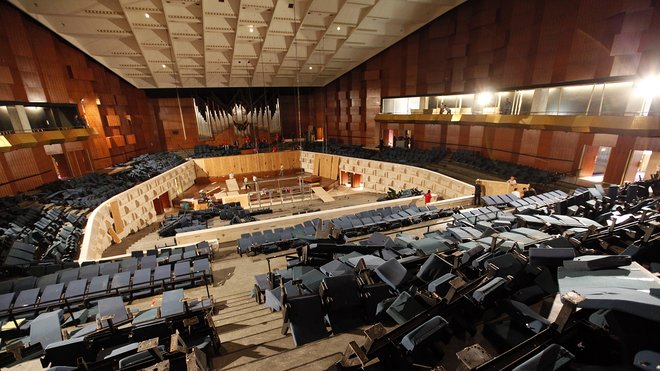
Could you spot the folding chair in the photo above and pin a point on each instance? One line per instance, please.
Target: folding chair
(172, 303)
(141, 280)
(303, 315)
(111, 309)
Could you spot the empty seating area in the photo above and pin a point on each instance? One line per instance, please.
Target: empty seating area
(370, 221)
(490, 272)
(503, 169)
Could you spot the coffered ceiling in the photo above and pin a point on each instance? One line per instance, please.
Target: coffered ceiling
(233, 43)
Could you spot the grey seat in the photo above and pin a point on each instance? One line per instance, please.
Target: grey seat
(553, 357)
(392, 273)
(433, 267)
(45, 329)
(162, 275)
(69, 275)
(305, 317)
(98, 286)
(112, 308)
(489, 291)
(141, 280)
(89, 271)
(128, 264)
(121, 281)
(202, 267)
(422, 332)
(341, 297)
(404, 308)
(172, 303)
(148, 261)
(52, 295)
(335, 268)
(109, 268)
(441, 285)
(182, 273)
(312, 280)
(75, 290)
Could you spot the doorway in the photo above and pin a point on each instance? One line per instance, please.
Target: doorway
(388, 137)
(61, 166)
(641, 165)
(594, 163)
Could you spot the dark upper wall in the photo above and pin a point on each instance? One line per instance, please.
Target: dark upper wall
(496, 44)
(38, 66)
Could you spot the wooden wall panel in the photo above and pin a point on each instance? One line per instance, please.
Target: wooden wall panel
(34, 65)
(497, 45)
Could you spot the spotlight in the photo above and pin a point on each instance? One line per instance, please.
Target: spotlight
(648, 87)
(484, 98)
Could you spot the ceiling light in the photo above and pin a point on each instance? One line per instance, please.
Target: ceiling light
(146, 15)
(251, 28)
(310, 67)
(338, 28)
(164, 66)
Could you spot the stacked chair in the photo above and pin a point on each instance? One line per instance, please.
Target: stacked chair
(485, 285)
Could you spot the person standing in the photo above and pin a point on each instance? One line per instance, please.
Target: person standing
(281, 170)
(477, 192)
(427, 197)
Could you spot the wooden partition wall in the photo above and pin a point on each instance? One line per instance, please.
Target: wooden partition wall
(132, 210)
(218, 167)
(378, 176)
(326, 166)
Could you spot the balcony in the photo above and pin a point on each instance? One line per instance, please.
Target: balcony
(11, 140)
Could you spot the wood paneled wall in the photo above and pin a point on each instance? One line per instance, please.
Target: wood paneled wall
(218, 167)
(38, 66)
(496, 45)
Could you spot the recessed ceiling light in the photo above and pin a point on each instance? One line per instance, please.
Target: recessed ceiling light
(310, 67)
(164, 66)
(146, 15)
(338, 28)
(251, 28)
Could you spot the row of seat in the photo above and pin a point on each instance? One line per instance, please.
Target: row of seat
(541, 200)
(89, 270)
(20, 306)
(351, 225)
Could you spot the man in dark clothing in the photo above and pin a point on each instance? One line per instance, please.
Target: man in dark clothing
(477, 192)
